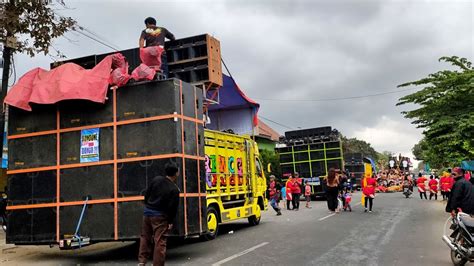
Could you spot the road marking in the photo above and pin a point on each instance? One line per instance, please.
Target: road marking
(325, 217)
(239, 254)
(358, 203)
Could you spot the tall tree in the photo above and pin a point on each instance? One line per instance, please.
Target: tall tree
(354, 145)
(445, 111)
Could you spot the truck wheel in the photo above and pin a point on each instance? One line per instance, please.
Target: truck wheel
(254, 220)
(212, 223)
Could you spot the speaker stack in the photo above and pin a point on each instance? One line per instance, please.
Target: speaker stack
(140, 128)
(310, 152)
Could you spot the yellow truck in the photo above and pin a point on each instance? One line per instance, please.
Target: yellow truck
(235, 180)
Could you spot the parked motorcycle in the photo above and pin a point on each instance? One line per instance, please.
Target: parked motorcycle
(461, 239)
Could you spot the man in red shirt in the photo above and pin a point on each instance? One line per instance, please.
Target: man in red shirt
(433, 184)
(446, 183)
(420, 183)
(296, 191)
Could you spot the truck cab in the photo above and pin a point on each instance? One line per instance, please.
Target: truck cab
(235, 180)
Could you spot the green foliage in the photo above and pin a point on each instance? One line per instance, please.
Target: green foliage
(445, 110)
(34, 24)
(274, 159)
(354, 145)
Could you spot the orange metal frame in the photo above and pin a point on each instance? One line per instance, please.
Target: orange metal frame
(115, 200)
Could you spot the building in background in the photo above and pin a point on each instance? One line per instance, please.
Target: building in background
(266, 137)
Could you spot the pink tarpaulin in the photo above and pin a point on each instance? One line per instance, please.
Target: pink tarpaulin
(66, 82)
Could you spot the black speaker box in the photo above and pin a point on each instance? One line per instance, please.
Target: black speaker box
(41, 118)
(97, 223)
(31, 226)
(71, 146)
(76, 113)
(95, 182)
(30, 188)
(312, 132)
(32, 152)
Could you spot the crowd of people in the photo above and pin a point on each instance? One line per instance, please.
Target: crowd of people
(291, 192)
(339, 193)
(337, 190)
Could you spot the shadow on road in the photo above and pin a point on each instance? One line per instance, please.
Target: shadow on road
(128, 251)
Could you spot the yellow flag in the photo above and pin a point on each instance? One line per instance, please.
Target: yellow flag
(364, 184)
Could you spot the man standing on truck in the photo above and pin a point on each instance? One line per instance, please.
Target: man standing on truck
(155, 36)
(161, 206)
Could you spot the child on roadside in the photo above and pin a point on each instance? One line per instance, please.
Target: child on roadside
(347, 200)
(307, 194)
(283, 195)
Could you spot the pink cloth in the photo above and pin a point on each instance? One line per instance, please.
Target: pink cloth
(151, 56)
(143, 72)
(66, 82)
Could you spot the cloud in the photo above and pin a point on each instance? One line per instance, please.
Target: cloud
(388, 134)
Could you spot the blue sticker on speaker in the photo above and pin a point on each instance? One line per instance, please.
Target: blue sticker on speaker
(89, 145)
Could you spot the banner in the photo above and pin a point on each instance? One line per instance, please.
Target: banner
(89, 145)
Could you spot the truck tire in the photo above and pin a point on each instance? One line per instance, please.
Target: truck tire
(212, 223)
(254, 220)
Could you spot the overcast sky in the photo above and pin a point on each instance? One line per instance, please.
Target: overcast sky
(282, 52)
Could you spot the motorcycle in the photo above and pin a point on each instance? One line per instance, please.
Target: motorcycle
(406, 191)
(461, 239)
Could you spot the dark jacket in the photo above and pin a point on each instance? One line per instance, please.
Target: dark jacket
(162, 195)
(462, 196)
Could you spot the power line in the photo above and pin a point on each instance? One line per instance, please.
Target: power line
(280, 124)
(94, 39)
(335, 99)
(97, 36)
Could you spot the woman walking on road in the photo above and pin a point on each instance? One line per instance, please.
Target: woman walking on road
(368, 189)
(433, 184)
(332, 189)
(420, 183)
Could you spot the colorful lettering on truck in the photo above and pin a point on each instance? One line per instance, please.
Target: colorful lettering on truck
(235, 180)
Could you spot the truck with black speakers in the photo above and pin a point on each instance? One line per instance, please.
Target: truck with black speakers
(311, 153)
(78, 170)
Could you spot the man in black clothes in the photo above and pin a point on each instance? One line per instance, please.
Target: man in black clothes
(462, 194)
(155, 36)
(161, 206)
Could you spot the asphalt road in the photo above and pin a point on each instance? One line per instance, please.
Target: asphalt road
(399, 232)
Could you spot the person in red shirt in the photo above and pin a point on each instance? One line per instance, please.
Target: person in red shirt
(433, 184)
(420, 183)
(368, 189)
(274, 195)
(442, 186)
(296, 191)
(447, 183)
(289, 195)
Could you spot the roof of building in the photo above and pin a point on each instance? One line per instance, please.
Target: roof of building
(266, 131)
